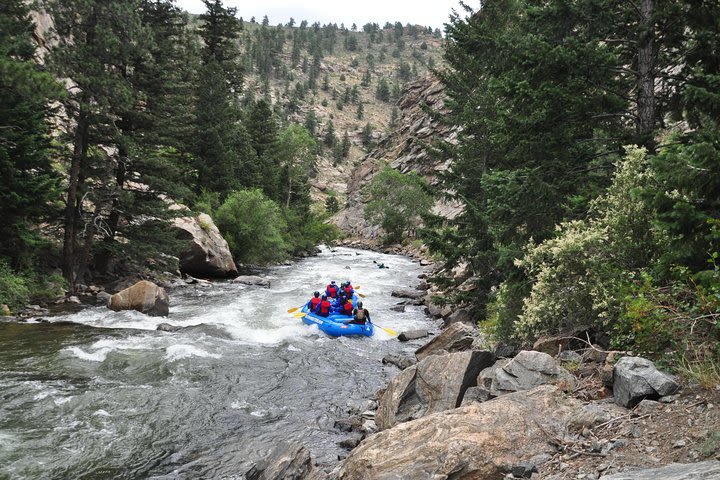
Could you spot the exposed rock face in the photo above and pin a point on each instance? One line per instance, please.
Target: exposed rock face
(404, 150)
(675, 471)
(636, 378)
(527, 370)
(400, 361)
(435, 384)
(145, 297)
(479, 441)
(208, 254)
(289, 462)
(456, 338)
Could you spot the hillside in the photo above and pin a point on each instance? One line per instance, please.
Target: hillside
(317, 68)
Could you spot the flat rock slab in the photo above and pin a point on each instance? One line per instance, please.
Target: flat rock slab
(675, 471)
(408, 293)
(252, 280)
(527, 370)
(412, 335)
(457, 337)
(479, 441)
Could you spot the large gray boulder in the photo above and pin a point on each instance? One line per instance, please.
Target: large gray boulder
(461, 315)
(287, 462)
(528, 369)
(145, 297)
(479, 441)
(436, 383)
(408, 293)
(675, 471)
(456, 338)
(207, 253)
(636, 378)
(252, 280)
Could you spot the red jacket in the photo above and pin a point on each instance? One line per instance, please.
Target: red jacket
(325, 307)
(348, 308)
(313, 303)
(332, 290)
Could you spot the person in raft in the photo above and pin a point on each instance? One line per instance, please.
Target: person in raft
(332, 290)
(314, 302)
(348, 289)
(346, 307)
(325, 306)
(360, 315)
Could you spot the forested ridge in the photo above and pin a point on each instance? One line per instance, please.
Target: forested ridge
(137, 107)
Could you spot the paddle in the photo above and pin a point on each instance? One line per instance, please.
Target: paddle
(294, 309)
(388, 330)
(300, 314)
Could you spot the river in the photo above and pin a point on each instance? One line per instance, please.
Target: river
(108, 396)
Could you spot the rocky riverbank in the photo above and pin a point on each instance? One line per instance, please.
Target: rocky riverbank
(567, 409)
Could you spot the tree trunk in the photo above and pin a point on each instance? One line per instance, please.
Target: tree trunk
(79, 152)
(287, 202)
(646, 75)
(114, 219)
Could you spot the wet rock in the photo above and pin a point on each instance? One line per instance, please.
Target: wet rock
(675, 471)
(479, 441)
(636, 378)
(412, 335)
(349, 443)
(166, 327)
(73, 299)
(252, 280)
(285, 462)
(528, 369)
(436, 383)
(456, 338)
(398, 308)
(400, 361)
(103, 298)
(207, 253)
(408, 293)
(145, 297)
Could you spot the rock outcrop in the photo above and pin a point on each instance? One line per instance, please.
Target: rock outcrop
(482, 440)
(291, 462)
(252, 280)
(528, 369)
(675, 471)
(636, 378)
(404, 149)
(145, 297)
(207, 253)
(436, 383)
(456, 338)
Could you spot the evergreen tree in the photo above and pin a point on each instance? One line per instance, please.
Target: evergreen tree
(345, 145)
(367, 136)
(311, 122)
(330, 139)
(360, 111)
(383, 90)
(29, 182)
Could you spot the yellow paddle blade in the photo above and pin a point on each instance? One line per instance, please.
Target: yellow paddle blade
(300, 314)
(293, 309)
(356, 287)
(388, 330)
(363, 296)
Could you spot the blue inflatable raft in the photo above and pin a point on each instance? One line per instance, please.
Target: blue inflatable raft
(333, 324)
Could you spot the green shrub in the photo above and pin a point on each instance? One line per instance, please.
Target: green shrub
(306, 231)
(579, 276)
(14, 291)
(252, 224)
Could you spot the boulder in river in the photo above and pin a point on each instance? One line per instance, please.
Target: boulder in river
(145, 297)
(456, 338)
(291, 462)
(400, 361)
(412, 335)
(482, 440)
(636, 378)
(207, 253)
(436, 383)
(252, 280)
(408, 293)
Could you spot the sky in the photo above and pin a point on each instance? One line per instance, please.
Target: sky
(432, 13)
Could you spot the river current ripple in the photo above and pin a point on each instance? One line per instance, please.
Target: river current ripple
(108, 396)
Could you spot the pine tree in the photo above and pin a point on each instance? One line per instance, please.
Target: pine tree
(330, 139)
(29, 182)
(345, 145)
(360, 111)
(383, 90)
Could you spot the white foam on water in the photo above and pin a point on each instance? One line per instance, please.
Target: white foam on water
(178, 352)
(101, 413)
(44, 394)
(96, 356)
(62, 400)
(293, 349)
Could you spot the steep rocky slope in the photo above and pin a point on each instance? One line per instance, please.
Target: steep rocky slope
(403, 149)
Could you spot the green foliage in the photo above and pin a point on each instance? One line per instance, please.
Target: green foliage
(253, 226)
(14, 291)
(332, 205)
(383, 90)
(578, 275)
(396, 202)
